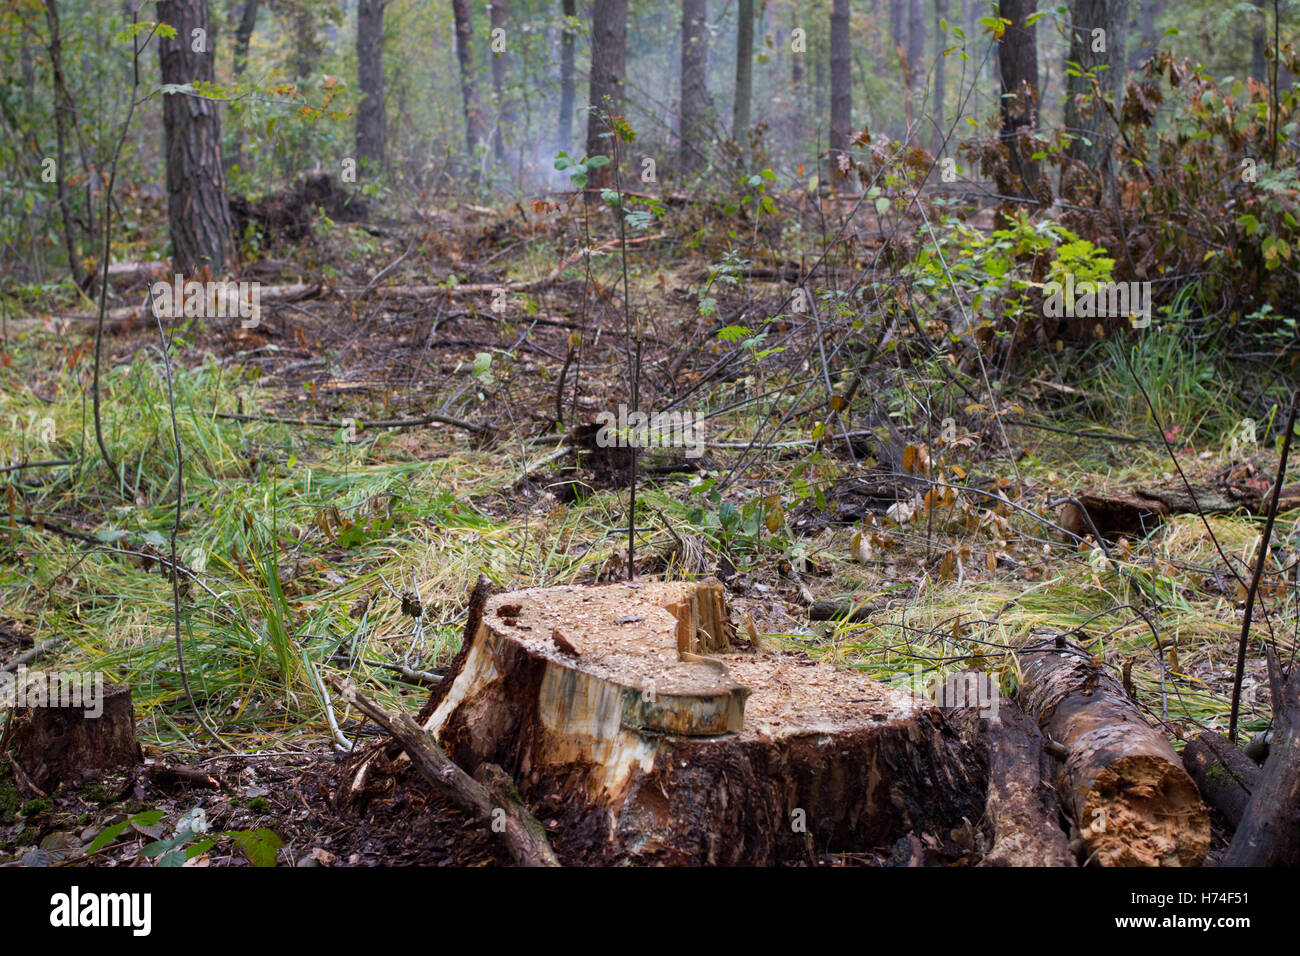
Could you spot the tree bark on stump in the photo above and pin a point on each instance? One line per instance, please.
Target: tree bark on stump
(69, 744)
(631, 722)
(1021, 812)
(1122, 783)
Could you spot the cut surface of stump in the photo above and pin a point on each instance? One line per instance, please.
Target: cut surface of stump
(628, 717)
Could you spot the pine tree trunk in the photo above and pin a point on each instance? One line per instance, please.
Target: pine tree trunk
(197, 210)
(501, 62)
(695, 84)
(1018, 65)
(744, 74)
(608, 64)
(370, 78)
(465, 60)
(64, 115)
(940, 77)
(570, 8)
(1086, 117)
(841, 83)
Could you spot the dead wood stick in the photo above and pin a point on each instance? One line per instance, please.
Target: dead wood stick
(381, 423)
(1121, 782)
(1225, 776)
(490, 799)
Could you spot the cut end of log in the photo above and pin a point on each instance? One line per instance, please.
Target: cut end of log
(650, 735)
(1143, 811)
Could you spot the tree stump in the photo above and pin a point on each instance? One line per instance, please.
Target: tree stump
(62, 742)
(634, 725)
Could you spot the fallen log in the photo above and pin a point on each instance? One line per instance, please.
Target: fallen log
(1021, 813)
(1225, 776)
(1135, 514)
(1120, 782)
(488, 795)
(1269, 832)
(629, 719)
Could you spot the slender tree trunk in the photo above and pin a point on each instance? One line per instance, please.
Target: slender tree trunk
(570, 8)
(940, 78)
(465, 59)
(1018, 66)
(744, 73)
(608, 64)
(896, 34)
(370, 78)
(501, 62)
(196, 185)
(797, 111)
(1259, 43)
(64, 114)
(695, 84)
(1085, 116)
(915, 42)
(1146, 31)
(841, 83)
(244, 35)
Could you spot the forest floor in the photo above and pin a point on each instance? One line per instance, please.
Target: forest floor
(352, 550)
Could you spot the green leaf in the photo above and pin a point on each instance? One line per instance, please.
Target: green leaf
(597, 161)
(259, 845)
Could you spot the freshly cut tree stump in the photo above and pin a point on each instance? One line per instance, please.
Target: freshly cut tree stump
(1122, 783)
(641, 734)
(68, 744)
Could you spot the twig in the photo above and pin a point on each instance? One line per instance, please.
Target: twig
(26, 656)
(1258, 573)
(490, 799)
(386, 423)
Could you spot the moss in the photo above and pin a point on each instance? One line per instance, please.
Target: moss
(8, 797)
(259, 805)
(34, 806)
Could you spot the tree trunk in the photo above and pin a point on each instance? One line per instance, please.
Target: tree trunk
(841, 86)
(940, 78)
(744, 74)
(465, 59)
(897, 8)
(570, 8)
(1086, 118)
(65, 114)
(370, 78)
(244, 35)
(1121, 782)
(1146, 33)
(1259, 43)
(197, 209)
(608, 59)
(501, 62)
(1018, 65)
(915, 43)
(695, 84)
(640, 733)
